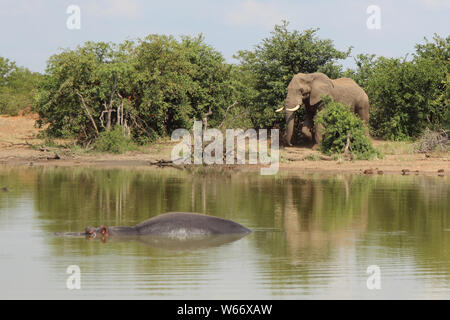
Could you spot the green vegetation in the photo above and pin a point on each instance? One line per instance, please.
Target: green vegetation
(343, 132)
(407, 96)
(152, 86)
(114, 141)
(312, 157)
(17, 87)
(396, 147)
(276, 60)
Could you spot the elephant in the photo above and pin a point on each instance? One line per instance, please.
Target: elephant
(308, 89)
(177, 225)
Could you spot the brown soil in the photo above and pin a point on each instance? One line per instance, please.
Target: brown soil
(391, 164)
(19, 145)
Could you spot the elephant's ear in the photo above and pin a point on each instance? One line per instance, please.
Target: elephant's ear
(320, 84)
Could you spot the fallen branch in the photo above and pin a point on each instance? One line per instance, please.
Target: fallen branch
(165, 163)
(55, 157)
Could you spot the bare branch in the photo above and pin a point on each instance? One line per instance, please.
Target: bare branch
(87, 111)
(347, 145)
(226, 111)
(205, 119)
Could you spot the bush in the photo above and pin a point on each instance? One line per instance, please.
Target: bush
(339, 123)
(114, 141)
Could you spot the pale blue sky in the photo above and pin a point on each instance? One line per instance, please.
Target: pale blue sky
(32, 30)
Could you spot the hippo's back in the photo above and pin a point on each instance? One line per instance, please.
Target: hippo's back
(186, 224)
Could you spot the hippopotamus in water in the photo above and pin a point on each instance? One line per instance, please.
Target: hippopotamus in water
(180, 225)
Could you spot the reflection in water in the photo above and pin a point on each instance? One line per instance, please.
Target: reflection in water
(189, 244)
(163, 242)
(314, 236)
(306, 228)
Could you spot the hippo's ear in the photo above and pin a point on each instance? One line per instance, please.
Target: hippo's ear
(103, 229)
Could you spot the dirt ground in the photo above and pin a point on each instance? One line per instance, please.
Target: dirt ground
(19, 145)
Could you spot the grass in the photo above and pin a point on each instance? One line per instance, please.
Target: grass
(312, 157)
(395, 147)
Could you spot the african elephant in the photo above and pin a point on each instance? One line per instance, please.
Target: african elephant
(308, 89)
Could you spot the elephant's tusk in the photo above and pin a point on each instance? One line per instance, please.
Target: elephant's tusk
(279, 110)
(294, 109)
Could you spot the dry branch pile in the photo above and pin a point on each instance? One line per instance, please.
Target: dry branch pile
(432, 141)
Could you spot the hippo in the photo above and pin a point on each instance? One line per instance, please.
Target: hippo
(178, 225)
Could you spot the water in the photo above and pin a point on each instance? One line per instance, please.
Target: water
(314, 235)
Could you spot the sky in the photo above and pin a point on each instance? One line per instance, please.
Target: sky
(33, 30)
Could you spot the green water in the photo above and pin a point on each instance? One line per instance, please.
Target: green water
(313, 235)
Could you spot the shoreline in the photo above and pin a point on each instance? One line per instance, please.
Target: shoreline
(412, 166)
(20, 146)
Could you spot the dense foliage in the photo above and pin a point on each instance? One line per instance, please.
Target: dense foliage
(151, 87)
(17, 87)
(407, 96)
(340, 124)
(276, 60)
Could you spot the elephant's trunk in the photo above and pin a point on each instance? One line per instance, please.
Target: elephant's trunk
(290, 117)
(293, 102)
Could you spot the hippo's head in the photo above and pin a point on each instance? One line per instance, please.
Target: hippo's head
(92, 232)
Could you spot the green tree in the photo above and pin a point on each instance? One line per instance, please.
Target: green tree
(17, 87)
(439, 51)
(149, 87)
(81, 89)
(6, 68)
(179, 81)
(365, 64)
(274, 62)
(407, 96)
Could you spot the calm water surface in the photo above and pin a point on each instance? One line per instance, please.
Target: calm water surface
(314, 235)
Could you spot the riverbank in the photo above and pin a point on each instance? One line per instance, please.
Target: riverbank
(20, 145)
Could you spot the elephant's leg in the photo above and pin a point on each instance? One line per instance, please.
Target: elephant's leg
(308, 127)
(307, 132)
(318, 134)
(363, 113)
